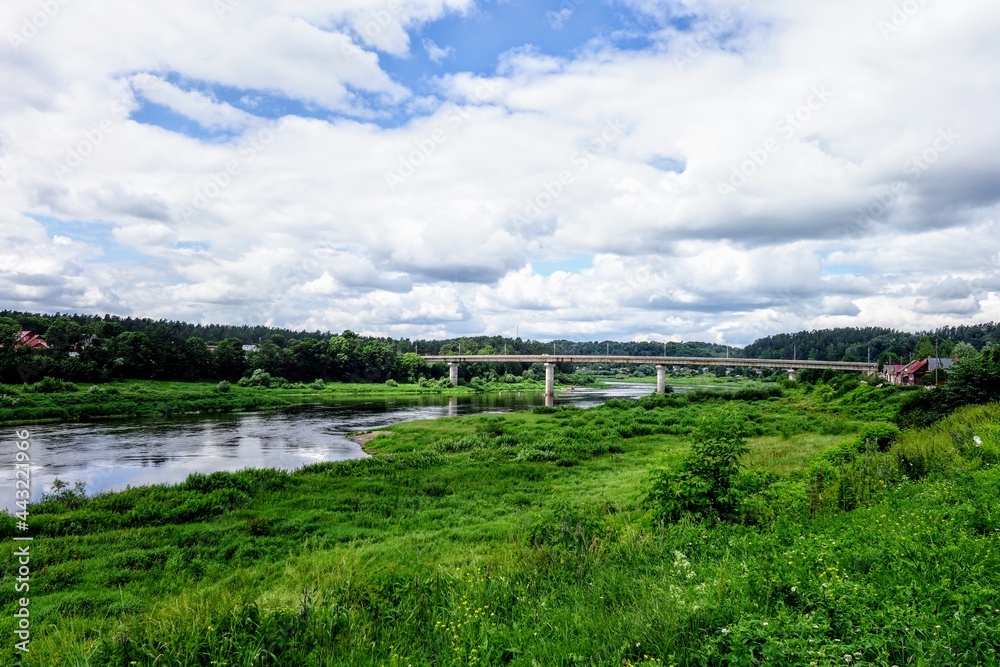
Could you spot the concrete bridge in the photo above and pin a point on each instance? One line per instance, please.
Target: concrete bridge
(661, 363)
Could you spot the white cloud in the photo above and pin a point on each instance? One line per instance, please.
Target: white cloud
(836, 224)
(197, 106)
(437, 53)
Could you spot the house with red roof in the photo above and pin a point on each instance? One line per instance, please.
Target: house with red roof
(913, 373)
(28, 339)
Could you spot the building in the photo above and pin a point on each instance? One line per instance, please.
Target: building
(28, 339)
(914, 372)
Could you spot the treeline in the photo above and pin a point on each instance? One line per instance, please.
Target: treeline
(87, 348)
(500, 345)
(113, 324)
(875, 343)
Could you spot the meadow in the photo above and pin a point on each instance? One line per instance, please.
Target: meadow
(535, 538)
(56, 400)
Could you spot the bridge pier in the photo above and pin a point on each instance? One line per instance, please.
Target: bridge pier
(792, 374)
(550, 379)
(661, 379)
(453, 372)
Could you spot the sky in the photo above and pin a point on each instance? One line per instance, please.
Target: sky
(713, 170)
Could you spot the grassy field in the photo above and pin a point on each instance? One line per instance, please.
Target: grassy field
(528, 539)
(686, 380)
(65, 401)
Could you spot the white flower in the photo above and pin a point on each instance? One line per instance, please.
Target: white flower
(725, 630)
(979, 441)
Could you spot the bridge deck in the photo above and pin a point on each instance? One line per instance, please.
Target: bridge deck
(666, 361)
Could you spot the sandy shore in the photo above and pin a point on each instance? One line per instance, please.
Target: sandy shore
(364, 438)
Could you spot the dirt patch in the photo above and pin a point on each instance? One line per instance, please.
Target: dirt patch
(364, 439)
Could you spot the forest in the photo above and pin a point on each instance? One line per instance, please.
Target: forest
(90, 348)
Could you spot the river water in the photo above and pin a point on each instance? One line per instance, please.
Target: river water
(111, 456)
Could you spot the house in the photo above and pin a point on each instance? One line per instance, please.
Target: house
(891, 371)
(913, 373)
(249, 348)
(28, 339)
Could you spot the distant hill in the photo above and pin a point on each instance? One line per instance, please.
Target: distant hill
(854, 344)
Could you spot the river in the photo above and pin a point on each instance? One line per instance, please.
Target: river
(110, 456)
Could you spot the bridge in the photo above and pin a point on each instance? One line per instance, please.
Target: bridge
(661, 363)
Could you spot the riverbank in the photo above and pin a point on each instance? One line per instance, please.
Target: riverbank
(529, 539)
(64, 401)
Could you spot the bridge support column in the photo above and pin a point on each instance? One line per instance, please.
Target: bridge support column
(550, 379)
(453, 372)
(661, 379)
(792, 374)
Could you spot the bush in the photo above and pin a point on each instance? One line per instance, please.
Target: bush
(223, 387)
(391, 383)
(50, 385)
(261, 378)
(703, 483)
(879, 436)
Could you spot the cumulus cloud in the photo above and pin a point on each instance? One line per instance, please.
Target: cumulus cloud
(761, 167)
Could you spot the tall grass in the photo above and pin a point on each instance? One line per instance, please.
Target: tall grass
(525, 540)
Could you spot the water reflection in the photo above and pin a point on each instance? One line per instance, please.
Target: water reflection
(115, 455)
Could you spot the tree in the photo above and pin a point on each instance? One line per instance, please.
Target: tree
(136, 357)
(925, 348)
(412, 366)
(230, 359)
(63, 335)
(963, 350)
(196, 360)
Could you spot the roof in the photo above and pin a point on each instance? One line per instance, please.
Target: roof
(28, 339)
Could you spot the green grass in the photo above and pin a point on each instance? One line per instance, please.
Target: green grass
(686, 380)
(525, 539)
(152, 399)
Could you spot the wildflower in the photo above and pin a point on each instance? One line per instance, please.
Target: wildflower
(725, 630)
(794, 589)
(848, 657)
(979, 441)
(765, 624)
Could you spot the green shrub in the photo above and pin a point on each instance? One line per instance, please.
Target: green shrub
(50, 385)
(391, 383)
(702, 485)
(223, 387)
(879, 436)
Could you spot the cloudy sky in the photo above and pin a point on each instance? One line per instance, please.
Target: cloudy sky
(636, 169)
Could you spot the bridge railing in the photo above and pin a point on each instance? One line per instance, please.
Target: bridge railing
(787, 364)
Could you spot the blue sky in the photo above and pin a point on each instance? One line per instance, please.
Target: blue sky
(472, 42)
(622, 170)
